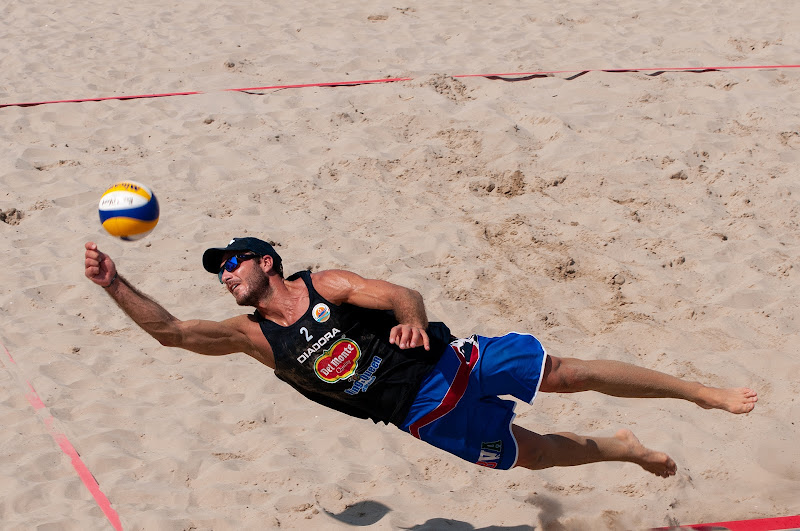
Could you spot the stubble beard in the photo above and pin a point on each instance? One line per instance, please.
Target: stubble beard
(256, 291)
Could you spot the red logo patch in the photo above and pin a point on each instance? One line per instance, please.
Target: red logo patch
(338, 362)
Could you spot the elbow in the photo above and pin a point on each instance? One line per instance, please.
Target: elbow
(166, 341)
(167, 336)
(167, 333)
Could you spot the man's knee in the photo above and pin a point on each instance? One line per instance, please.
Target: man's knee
(531, 448)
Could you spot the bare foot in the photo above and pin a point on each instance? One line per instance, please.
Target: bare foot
(655, 462)
(735, 400)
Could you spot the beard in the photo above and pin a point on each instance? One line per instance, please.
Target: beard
(256, 290)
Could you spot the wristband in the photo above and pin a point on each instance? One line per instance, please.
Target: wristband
(113, 279)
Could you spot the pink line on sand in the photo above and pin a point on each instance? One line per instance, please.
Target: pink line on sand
(66, 447)
(785, 523)
(395, 79)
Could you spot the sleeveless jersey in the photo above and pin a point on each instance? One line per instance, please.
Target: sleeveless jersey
(340, 356)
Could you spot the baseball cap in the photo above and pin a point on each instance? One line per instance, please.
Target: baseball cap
(212, 258)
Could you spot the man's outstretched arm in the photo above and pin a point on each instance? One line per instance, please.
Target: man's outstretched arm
(203, 337)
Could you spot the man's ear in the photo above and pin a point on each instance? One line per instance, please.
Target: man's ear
(266, 263)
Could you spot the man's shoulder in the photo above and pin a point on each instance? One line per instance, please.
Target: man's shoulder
(333, 284)
(329, 273)
(321, 277)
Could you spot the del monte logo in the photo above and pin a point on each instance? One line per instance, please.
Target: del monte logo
(338, 362)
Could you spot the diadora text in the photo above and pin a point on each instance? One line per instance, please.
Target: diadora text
(321, 342)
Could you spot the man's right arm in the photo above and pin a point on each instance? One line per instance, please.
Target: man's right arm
(204, 337)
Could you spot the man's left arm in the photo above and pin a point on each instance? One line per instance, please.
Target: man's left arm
(340, 286)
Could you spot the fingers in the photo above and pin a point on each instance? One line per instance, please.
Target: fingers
(425, 341)
(92, 264)
(92, 252)
(93, 257)
(97, 266)
(407, 336)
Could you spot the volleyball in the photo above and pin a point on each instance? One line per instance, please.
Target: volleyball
(129, 210)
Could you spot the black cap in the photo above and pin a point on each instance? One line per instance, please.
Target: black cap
(212, 258)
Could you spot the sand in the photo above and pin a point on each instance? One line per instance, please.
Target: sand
(651, 219)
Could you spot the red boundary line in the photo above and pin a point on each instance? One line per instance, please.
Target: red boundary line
(764, 524)
(61, 440)
(82, 100)
(329, 84)
(648, 69)
(396, 79)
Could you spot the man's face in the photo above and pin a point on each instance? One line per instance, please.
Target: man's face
(244, 277)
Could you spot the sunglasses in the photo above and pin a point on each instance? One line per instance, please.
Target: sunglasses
(233, 262)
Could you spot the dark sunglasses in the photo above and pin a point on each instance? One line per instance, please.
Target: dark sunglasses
(233, 262)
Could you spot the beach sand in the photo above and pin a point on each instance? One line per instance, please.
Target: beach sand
(650, 219)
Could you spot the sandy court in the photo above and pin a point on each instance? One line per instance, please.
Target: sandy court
(651, 219)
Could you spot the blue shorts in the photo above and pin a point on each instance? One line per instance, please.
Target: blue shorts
(458, 408)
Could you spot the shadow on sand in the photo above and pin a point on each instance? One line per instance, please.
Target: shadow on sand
(365, 513)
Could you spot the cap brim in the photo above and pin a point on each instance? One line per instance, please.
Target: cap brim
(212, 259)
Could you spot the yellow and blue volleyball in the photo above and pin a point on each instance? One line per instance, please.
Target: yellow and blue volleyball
(129, 210)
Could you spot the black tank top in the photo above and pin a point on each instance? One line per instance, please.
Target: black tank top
(340, 356)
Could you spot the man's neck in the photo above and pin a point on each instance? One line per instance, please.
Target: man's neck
(286, 302)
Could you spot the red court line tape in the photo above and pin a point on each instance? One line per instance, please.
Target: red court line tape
(66, 447)
(82, 100)
(542, 73)
(328, 84)
(783, 523)
(647, 69)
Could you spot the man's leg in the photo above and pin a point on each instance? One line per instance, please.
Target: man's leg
(569, 375)
(567, 449)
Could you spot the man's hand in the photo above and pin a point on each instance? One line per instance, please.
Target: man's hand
(100, 269)
(407, 336)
